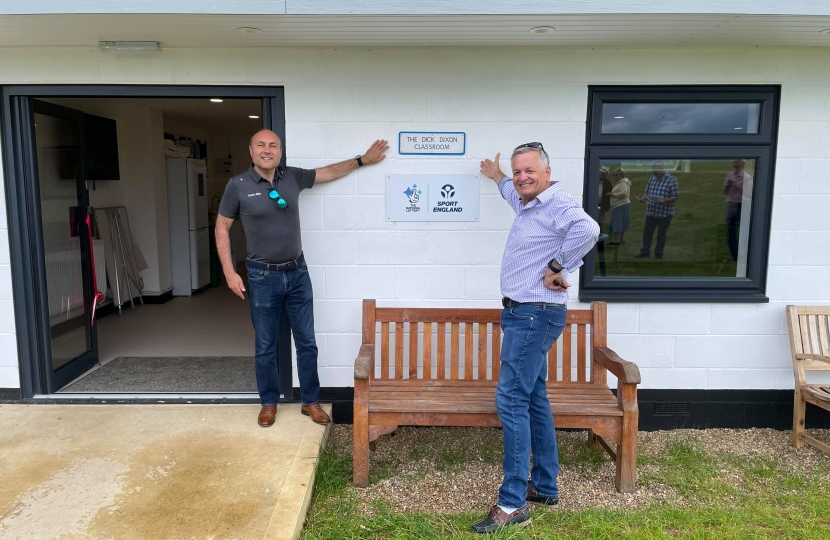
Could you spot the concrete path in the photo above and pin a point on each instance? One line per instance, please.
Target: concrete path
(154, 472)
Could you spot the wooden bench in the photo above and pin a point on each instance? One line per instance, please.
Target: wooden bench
(428, 387)
(810, 345)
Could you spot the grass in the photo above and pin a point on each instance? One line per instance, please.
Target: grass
(696, 240)
(722, 496)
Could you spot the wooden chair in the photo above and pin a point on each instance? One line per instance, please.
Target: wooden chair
(433, 385)
(809, 330)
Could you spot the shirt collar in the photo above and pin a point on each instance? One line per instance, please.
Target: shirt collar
(255, 176)
(546, 195)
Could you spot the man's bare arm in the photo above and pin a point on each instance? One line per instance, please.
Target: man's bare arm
(373, 155)
(223, 246)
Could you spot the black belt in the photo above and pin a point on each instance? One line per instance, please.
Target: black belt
(507, 302)
(281, 267)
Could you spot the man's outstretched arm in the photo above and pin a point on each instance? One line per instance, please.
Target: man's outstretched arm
(373, 155)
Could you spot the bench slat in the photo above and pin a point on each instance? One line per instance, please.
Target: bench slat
(437, 315)
(384, 350)
(399, 350)
(581, 340)
(821, 321)
(455, 338)
(402, 396)
(427, 350)
(468, 351)
(413, 350)
(482, 351)
(451, 406)
(462, 383)
(566, 353)
(442, 350)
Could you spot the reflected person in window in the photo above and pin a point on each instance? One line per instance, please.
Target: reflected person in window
(620, 207)
(733, 188)
(661, 193)
(605, 187)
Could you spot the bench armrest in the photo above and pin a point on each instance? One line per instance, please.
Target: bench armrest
(817, 357)
(627, 372)
(363, 362)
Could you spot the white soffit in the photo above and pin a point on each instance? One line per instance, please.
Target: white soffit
(421, 7)
(182, 31)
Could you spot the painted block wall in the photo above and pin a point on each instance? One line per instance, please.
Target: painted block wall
(339, 101)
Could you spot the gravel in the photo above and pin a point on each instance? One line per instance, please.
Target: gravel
(451, 470)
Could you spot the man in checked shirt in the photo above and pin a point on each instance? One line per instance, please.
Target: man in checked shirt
(661, 192)
(549, 237)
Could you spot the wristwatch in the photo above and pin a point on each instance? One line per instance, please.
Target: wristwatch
(359, 161)
(553, 268)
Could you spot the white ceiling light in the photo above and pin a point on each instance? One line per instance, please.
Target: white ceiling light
(216, 100)
(542, 30)
(248, 30)
(619, 117)
(253, 116)
(130, 47)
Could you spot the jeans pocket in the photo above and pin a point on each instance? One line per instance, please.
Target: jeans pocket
(255, 274)
(526, 313)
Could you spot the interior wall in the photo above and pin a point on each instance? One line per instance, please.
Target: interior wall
(142, 188)
(219, 146)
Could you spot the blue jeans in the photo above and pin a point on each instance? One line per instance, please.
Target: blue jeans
(522, 401)
(269, 291)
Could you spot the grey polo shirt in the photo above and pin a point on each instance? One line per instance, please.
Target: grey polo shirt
(272, 235)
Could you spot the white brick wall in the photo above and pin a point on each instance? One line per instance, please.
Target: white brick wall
(339, 101)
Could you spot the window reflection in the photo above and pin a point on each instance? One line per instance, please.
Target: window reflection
(735, 118)
(676, 217)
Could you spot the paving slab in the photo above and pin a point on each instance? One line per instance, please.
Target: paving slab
(155, 472)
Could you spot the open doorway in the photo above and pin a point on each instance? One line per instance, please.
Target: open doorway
(149, 174)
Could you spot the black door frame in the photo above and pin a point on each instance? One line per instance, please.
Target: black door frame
(25, 232)
(52, 379)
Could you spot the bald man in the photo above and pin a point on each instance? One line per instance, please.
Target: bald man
(266, 196)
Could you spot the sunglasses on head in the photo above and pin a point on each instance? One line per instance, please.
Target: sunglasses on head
(276, 196)
(534, 145)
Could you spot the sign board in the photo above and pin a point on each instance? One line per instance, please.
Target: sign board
(432, 197)
(445, 143)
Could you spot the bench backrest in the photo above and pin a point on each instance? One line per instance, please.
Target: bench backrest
(809, 328)
(465, 344)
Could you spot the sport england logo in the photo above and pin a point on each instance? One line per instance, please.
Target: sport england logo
(447, 192)
(414, 195)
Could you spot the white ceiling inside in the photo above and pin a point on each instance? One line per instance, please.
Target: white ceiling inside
(183, 30)
(229, 117)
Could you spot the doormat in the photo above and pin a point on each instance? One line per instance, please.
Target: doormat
(193, 374)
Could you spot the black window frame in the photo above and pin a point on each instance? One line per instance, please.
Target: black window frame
(759, 146)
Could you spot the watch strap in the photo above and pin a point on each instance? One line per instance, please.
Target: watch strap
(553, 268)
(359, 161)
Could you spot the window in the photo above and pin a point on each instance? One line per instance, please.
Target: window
(680, 179)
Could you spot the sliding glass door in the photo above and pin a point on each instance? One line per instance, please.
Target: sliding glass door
(60, 188)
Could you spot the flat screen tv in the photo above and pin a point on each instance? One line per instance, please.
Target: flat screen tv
(101, 148)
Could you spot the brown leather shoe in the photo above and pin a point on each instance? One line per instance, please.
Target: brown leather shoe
(316, 412)
(267, 416)
(499, 518)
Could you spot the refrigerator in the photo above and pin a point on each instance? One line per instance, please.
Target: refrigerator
(187, 216)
